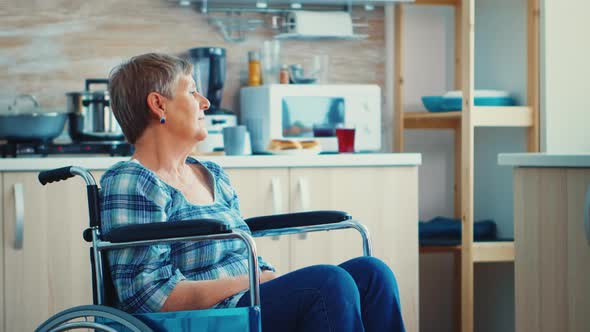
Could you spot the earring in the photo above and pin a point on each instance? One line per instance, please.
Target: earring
(162, 119)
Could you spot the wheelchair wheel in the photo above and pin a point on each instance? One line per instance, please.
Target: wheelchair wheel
(95, 318)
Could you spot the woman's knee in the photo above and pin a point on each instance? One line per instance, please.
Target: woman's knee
(368, 265)
(334, 282)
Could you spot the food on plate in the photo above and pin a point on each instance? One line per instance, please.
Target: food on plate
(310, 144)
(284, 144)
(290, 144)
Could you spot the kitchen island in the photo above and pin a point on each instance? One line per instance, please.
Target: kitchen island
(51, 272)
(552, 240)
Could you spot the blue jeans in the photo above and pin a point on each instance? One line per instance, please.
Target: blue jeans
(358, 295)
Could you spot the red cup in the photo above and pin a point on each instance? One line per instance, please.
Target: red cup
(345, 139)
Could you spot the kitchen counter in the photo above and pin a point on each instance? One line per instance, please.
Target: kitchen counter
(544, 160)
(379, 190)
(265, 161)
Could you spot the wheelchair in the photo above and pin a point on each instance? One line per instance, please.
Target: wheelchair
(103, 316)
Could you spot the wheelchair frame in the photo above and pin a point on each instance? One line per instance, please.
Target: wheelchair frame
(98, 246)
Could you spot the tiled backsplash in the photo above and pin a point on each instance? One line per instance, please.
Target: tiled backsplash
(49, 47)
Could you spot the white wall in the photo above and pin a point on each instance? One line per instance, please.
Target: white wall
(500, 51)
(565, 103)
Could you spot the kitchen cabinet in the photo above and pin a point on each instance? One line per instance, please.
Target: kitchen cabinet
(264, 191)
(382, 198)
(50, 270)
(552, 263)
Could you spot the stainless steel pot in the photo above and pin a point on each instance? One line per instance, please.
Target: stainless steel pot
(30, 124)
(91, 117)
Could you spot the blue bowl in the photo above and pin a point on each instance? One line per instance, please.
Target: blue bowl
(456, 104)
(433, 103)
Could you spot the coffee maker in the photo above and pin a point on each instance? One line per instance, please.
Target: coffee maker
(209, 75)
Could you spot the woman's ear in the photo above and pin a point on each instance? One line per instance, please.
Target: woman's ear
(157, 104)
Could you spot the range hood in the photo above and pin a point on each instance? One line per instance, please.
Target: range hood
(265, 5)
(236, 16)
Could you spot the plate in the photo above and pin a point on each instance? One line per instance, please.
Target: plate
(297, 152)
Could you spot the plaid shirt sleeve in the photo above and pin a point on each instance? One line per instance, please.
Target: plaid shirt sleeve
(143, 276)
(235, 204)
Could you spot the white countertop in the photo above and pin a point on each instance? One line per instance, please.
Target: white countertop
(327, 160)
(544, 160)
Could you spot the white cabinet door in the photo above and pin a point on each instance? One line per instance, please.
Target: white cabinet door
(264, 191)
(382, 198)
(50, 271)
(323, 189)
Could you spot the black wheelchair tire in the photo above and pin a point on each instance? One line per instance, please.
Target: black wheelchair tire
(113, 314)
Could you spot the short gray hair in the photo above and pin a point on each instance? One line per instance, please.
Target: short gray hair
(132, 81)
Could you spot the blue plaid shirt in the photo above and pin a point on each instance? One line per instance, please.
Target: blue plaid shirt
(145, 276)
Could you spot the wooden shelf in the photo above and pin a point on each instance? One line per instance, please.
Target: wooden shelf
(493, 252)
(482, 251)
(437, 249)
(505, 116)
(483, 116)
(437, 2)
(431, 120)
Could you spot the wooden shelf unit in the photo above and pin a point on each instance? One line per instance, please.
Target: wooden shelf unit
(463, 124)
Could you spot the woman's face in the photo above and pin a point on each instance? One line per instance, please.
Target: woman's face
(185, 112)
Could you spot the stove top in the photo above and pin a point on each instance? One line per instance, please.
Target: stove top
(45, 149)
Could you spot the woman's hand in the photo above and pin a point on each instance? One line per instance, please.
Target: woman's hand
(267, 275)
(202, 294)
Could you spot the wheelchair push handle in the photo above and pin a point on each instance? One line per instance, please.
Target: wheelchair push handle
(65, 173)
(54, 175)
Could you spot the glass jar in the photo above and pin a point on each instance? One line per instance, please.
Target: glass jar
(254, 74)
(284, 75)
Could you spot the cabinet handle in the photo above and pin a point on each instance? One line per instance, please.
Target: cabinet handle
(304, 199)
(19, 213)
(587, 215)
(304, 194)
(277, 196)
(277, 199)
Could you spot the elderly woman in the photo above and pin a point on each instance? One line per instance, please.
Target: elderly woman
(162, 114)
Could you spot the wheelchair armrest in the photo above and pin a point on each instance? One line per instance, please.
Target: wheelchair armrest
(297, 219)
(163, 230)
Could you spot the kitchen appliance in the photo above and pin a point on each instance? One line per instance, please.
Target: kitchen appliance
(30, 149)
(24, 122)
(215, 124)
(91, 117)
(304, 111)
(209, 75)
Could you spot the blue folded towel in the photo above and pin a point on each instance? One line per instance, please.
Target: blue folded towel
(447, 231)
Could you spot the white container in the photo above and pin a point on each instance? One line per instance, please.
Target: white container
(325, 24)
